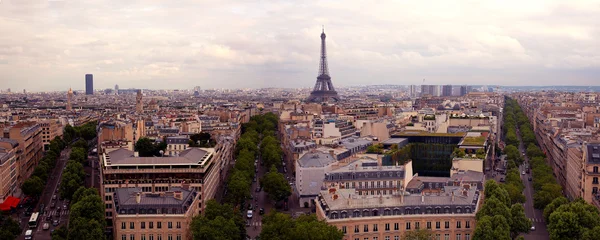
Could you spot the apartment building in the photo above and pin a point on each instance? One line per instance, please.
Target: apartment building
(8, 167)
(30, 149)
(195, 169)
(50, 130)
(176, 145)
(447, 207)
(154, 216)
(591, 174)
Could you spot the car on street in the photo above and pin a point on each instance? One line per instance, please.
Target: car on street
(523, 173)
(55, 223)
(249, 214)
(52, 204)
(250, 206)
(54, 197)
(261, 211)
(257, 189)
(49, 218)
(254, 180)
(46, 226)
(532, 227)
(28, 234)
(529, 179)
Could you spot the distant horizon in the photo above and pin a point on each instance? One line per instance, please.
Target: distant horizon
(258, 88)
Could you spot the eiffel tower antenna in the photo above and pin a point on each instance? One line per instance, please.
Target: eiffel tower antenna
(323, 90)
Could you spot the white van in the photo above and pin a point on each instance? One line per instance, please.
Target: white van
(28, 234)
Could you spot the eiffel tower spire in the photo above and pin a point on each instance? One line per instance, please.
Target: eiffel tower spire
(323, 90)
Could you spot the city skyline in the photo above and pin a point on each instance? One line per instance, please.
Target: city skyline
(241, 45)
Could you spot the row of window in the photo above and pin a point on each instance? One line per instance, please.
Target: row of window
(150, 225)
(437, 237)
(151, 237)
(408, 226)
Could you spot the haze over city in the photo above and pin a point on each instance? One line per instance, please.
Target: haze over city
(253, 44)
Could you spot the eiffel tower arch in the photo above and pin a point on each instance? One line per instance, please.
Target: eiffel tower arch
(323, 90)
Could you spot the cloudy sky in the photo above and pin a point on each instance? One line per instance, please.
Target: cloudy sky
(52, 44)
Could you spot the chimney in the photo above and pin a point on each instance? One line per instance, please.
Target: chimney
(331, 153)
(138, 197)
(350, 200)
(178, 195)
(422, 197)
(136, 154)
(452, 196)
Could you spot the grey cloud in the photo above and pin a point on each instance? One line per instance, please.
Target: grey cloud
(276, 43)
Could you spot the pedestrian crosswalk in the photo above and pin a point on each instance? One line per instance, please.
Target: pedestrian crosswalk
(52, 212)
(540, 220)
(257, 224)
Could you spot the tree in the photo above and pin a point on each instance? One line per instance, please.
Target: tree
(281, 226)
(83, 192)
(519, 223)
(271, 156)
(239, 187)
(493, 189)
(276, 225)
(309, 227)
(41, 171)
(550, 208)
(276, 185)
(145, 147)
(82, 228)
(60, 233)
(492, 207)
(492, 228)
(592, 234)
(78, 154)
(202, 139)
(33, 186)
(418, 234)
(217, 229)
(218, 222)
(547, 194)
(564, 225)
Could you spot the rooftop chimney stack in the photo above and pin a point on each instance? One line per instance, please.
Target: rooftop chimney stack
(452, 196)
(422, 197)
(138, 197)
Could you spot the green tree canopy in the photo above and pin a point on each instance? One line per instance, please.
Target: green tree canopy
(418, 234)
(519, 223)
(33, 186)
(275, 184)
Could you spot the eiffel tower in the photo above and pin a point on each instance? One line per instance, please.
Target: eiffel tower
(323, 90)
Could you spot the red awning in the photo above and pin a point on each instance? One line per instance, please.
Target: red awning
(10, 202)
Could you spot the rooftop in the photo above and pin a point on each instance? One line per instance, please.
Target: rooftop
(425, 133)
(593, 153)
(474, 141)
(315, 159)
(452, 199)
(191, 156)
(134, 201)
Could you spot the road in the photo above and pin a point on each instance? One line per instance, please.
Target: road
(536, 215)
(261, 200)
(61, 208)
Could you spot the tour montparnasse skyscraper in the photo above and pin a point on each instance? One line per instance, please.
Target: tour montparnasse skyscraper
(323, 90)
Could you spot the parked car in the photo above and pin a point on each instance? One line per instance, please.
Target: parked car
(249, 214)
(46, 226)
(55, 223)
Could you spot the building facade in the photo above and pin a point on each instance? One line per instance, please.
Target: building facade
(30, 149)
(195, 169)
(154, 216)
(8, 167)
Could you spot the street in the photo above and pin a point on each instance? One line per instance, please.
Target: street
(60, 212)
(261, 200)
(536, 215)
